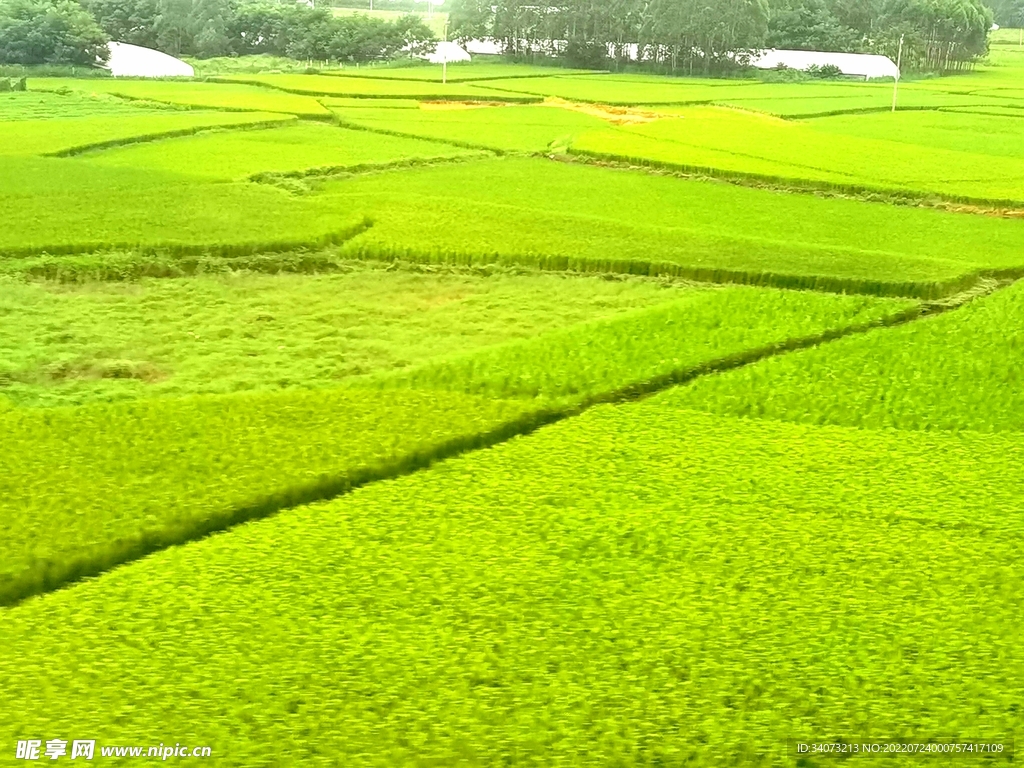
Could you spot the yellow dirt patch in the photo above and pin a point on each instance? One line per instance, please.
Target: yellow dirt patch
(616, 115)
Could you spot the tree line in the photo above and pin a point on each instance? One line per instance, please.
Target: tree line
(676, 36)
(712, 36)
(69, 32)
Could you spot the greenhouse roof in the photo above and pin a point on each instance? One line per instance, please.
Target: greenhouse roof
(862, 64)
(134, 61)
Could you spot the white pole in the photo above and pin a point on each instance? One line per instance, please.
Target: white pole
(896, 83)
(444, 56)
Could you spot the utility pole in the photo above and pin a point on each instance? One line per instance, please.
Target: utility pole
(444, 55)
(896, 83)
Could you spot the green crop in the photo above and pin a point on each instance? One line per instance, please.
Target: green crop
(238, 330)
(302, 147)
(641, 586)
(742, 143)
(618, 89)
(991, 134)
(650, 347)
(37, 105)
(56, 205)
(532, 128)
(569, 216)
(366, 87)
(86, 488)
(236, 98)
(76, 135)
(459, 72)
(961, 370)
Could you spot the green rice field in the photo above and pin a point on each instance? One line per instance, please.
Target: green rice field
(539, 417)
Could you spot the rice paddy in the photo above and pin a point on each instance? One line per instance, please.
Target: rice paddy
(537, 417)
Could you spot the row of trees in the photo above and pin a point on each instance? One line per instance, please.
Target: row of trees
(69, 32)
(49, 32)
(939, 35)
(708, 36)
(1008, 13)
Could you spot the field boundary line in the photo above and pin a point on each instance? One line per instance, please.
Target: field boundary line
(63, 574)
(418, 97)
(363, 169)
(66, 574)
(716, 276)
(974, 206)
(185, 107)
(343, 123)
(338, 237)
(175, 134)
(488, 78)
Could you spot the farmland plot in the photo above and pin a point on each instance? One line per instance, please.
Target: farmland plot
(76, 135)
(67, 344)
(87, 488)
(462, 506)
(647, 348)
(640, 585)
(72, 206)
(985, 133)
(962, 370)
(514, 211)
(243, 98)
(305, 147)
(367, 87)
(738, 143)
(533, 128)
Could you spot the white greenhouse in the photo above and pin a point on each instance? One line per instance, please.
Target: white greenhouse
(863, 65)
(448, 52)
(134, 61)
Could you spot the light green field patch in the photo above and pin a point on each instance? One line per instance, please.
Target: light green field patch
(743, 143)
(58, 136)
(517, 210)
(962, 370)
(71, 205)
(616, 89)
(344, 102)
(529, 128)
(69, 344)
(43, 105)
(978, 134)
(648, 345)
(641, 585)
(294, 148)
(86, 488)
(373, 87)
(459, 72)
(193, 94)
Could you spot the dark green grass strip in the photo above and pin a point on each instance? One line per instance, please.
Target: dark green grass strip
(226, 250)
(891, 195)
(59, 575)
(914, 290)
(334, 171)
(148, 137)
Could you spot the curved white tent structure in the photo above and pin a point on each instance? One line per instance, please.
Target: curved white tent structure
(862, 64)
(448, 52)
(134, 61)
